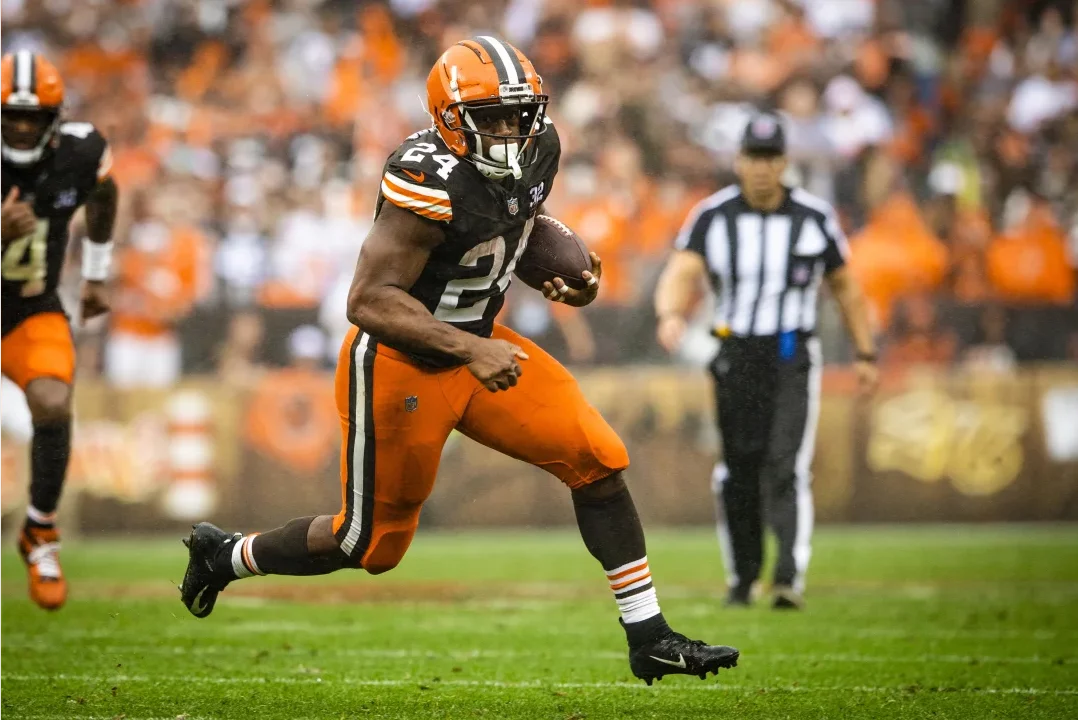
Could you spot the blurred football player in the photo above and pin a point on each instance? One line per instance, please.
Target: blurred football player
(51, 168)
(457, 204)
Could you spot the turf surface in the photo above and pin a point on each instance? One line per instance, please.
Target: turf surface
(960, 622)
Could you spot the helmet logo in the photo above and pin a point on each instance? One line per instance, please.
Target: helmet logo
(448, 117)
(764, 127)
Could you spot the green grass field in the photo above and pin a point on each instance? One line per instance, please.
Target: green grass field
(961, 622)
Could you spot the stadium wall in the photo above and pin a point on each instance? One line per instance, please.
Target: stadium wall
(931, 446)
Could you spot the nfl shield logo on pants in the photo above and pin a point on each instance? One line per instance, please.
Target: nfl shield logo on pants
(514, 206)
(411, 403)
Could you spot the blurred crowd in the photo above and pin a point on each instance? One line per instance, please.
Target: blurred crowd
(249, 138)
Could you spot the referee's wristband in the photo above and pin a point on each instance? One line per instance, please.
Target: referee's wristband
(866, 357)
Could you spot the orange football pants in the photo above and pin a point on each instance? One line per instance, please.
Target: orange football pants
(396, 417)
(40, 346)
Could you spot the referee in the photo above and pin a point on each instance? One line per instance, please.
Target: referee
(766, 248)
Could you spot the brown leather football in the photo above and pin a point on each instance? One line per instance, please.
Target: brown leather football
(554, 250)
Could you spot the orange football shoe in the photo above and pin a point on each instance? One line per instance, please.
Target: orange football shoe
(40, 550)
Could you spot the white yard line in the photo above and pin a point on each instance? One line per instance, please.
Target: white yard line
(107, 716)
(523, 685)
(754, 631)
(479, 654)
(112, 716)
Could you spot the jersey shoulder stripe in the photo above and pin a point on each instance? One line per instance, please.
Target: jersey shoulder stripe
(418, 176)
(403, 185)
(429, 203)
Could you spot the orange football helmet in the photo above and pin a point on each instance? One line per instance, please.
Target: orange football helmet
(480, 80)
(32, 99)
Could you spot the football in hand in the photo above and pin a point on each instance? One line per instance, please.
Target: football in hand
(553, 250)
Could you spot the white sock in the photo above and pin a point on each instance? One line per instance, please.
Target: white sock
(41, 518)
(633, 591)
(243, 559)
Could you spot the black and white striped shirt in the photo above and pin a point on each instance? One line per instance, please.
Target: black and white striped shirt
(765, 267)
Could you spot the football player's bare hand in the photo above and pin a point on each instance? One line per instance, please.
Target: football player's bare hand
(670, 332)
(495, 363)
(557, 291)
(17, 218)
(95, 299)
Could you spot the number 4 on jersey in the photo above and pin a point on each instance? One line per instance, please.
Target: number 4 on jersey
(25, 260)
(454, 305)
(447, 163)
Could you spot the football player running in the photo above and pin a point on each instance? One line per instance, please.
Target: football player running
(51, 168)
(455, 209)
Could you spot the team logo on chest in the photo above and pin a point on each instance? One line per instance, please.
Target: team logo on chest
(801, 274)
(514, 205)
(66, 199)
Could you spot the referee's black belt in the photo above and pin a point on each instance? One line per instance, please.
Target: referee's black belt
(724, 333)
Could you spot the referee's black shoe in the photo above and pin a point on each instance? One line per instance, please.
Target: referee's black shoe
(786, 598)
(739, 596)
(675, 654)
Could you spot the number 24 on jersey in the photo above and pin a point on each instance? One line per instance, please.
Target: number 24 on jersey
(420, 150)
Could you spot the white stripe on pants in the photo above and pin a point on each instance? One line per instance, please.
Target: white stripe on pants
(806, 512)
(718, 477)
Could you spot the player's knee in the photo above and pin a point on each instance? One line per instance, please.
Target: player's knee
(387, 550)
(600, 458)
(381, 566)
(601, 490)
(779, 485)
(49, 400)
(381, 562)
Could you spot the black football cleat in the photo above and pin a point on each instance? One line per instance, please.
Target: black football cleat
(739, 596)
(675, 654)
(202, 581)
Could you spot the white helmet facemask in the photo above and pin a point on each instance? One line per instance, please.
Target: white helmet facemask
(498, 156)
(501, 159)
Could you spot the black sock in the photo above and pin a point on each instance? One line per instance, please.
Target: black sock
(282, 551)
(613, 534)
(49, 452)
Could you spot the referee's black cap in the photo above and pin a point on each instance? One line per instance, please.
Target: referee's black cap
(764, 135)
